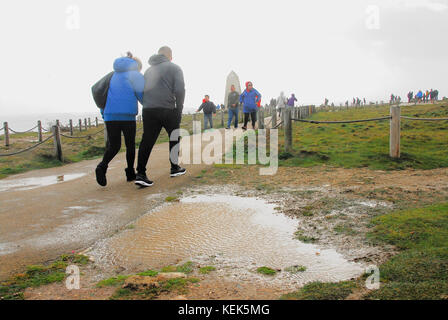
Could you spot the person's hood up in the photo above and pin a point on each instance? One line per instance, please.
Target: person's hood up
(247, 83)
(125, 64)
(157, 59)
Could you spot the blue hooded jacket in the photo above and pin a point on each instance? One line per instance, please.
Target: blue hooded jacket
(126, 87)
(249, 100)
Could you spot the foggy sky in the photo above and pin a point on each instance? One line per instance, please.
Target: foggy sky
(316, 49)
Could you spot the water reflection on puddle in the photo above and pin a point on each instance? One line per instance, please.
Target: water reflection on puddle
(236, 234)
(32, 183)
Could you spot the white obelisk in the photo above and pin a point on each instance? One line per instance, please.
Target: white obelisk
(232, 78)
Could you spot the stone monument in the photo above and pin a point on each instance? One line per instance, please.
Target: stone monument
(232, 78)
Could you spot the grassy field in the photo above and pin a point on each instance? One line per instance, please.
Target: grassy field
(74, 150)
(424, 145)
(419, 271)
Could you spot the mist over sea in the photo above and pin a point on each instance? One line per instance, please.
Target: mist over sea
(26, 122)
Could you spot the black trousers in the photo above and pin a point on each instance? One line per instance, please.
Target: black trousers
(114, 130)
(153, 121)
(253, 116)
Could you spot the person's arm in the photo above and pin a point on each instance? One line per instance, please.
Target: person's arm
(214, 108)
(138, 84)
(179, 89)
(258, 96)
(200, 108)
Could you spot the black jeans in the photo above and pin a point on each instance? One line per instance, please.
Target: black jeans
(253, 116)
(114, 129)
(153, 121)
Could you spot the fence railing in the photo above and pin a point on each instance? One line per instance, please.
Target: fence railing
(289, 115)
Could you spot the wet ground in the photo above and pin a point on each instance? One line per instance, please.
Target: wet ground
(234, 234)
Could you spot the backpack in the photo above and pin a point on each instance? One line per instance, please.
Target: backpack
(100, 90)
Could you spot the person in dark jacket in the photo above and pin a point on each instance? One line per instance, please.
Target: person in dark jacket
(163, 102)
(209, 109)
(233, 102)
(249, 98)
(126, 87)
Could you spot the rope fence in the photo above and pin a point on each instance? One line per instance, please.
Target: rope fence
(340, 122)
(424, 119)
(27, 149)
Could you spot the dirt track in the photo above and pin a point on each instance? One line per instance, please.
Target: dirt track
(41, 223)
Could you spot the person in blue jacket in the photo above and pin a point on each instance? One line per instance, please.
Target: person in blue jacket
(249, 98)
(125, 90)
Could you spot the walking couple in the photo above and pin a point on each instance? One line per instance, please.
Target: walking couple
(161, 91)
(250, 99)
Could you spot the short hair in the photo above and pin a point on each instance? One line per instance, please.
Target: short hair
(166, 51)
(207, 96)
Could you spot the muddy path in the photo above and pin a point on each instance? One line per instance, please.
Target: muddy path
(230, 218)
(49, 212)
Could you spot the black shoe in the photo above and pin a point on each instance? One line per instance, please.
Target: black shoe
(177, 171)
(130, 174)
(244, 128)
(101, 176)
(142, 180)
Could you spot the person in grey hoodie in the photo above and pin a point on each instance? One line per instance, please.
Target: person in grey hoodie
(163, 101)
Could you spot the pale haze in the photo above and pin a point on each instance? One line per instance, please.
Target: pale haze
(54, 51)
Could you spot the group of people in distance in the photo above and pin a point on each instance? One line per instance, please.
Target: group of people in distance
(250, 99)
(161, 91)
(423, 96)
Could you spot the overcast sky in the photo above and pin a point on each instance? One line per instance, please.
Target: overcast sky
(53, 51)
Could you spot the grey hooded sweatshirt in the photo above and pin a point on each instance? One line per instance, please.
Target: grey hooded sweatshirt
(164, 85)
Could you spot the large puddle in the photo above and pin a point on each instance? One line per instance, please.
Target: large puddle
(36, 182)
(235, 234)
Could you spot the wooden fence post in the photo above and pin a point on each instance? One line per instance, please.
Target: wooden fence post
(261, 118)
(70, 123)
(222, 118)
(274, 118)
(57, 143)
(90, 124)
(288, 129)
(39, 131)
(96, 122)
(6, 130)
(57, 123)
(85, 124)
(80, 125)
(394, 141)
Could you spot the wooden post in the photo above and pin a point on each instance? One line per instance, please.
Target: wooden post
(222, 118)
(261, 118)
(57, 123)
(57, 143)
(70, 123)
(288, 128)
(39, 131)
(394, 141)
(90, 124)
(6, 129)
(96, 122)
(274, 118)
(85, 124)
(80, 125)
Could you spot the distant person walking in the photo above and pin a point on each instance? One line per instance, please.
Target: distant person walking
(209, 109)
(249, 98)
(163, 102)
(291, 100)
(125, 88)
(233, 102)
